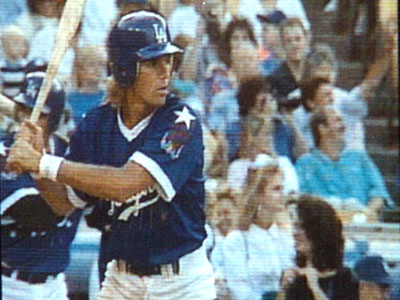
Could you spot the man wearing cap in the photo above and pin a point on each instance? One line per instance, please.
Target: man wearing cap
(35, 240)
(271, 51)
(142, 154)
(375, 281)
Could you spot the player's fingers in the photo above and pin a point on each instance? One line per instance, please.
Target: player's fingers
(23, 134)
(33, 127)
(14, 167)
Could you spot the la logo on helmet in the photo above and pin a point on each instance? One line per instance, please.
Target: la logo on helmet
(161, 35)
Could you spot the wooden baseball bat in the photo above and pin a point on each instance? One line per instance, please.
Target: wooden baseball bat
(69, 22)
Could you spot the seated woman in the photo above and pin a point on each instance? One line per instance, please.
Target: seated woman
(256, 255)
(320, 274)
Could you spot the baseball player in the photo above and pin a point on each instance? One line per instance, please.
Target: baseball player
(143, 153)
(35, 241)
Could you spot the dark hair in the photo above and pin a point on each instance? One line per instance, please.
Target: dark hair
(225, 47)
(31, 6)
(324, 229)
(309, 88)
(318, 118)
(248, 91)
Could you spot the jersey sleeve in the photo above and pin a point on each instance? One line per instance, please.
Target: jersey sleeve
(172, 150)
(14, 189)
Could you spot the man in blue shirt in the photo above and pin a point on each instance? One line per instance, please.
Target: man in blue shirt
(143, 153)
(35, 241)
(348, 179)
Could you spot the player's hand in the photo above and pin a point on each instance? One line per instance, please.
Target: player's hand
(33, 134)
(23, 158)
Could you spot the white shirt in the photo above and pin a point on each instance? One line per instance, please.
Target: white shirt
(255, 259)
(238, 170)
(183, 20)
(42, 46)
(96, 22)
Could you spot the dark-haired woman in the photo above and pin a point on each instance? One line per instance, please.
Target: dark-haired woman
(319, 241)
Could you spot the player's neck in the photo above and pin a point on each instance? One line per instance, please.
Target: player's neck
(133, 113)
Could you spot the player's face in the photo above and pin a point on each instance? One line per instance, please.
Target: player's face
(152, 85)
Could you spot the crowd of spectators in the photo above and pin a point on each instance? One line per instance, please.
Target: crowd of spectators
(276, 125)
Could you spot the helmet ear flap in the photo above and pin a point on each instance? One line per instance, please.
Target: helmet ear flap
(125, 73)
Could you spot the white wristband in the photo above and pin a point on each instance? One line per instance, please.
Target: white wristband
(49, 166)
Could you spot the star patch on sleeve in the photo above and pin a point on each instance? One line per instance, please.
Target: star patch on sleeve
(175, 139)
(184, 116)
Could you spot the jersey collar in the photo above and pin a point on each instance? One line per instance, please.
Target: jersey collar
(131, 134)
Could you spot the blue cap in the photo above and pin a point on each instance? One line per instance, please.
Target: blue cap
(120, 2)
(372, 269)
(275, 17)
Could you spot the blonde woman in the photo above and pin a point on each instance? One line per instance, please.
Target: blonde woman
(256, 255)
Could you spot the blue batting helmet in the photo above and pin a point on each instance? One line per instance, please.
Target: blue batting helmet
(137, 36)
(55, 101)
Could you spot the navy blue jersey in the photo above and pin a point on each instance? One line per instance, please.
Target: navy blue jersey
(162, 223)
(33, 238)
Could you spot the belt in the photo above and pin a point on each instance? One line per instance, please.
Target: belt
(149, 270)
(29, 277)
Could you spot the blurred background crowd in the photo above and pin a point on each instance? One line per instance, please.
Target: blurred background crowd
(298, 99)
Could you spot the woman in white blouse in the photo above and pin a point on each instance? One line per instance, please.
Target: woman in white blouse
(256, 255)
